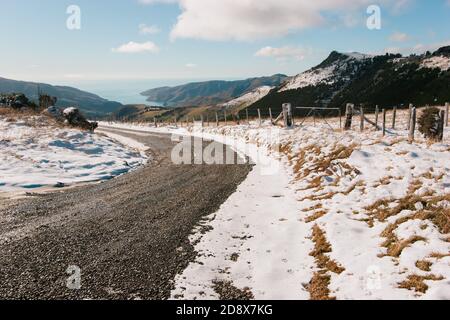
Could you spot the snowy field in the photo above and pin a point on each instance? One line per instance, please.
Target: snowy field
(35, 153)
(345, 215)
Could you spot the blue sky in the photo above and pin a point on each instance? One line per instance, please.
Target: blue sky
(203, 39)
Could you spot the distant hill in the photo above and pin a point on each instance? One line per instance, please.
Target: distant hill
(90, 104)
(139, 112)
(385, 80)
(209, 92)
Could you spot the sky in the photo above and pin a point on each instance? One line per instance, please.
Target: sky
(132, 40)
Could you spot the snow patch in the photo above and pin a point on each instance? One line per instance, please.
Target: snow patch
(249, 98)
(439, 62)
(33, 156)
(340, 69)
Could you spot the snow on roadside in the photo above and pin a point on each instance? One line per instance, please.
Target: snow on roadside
(34, 156)
(368, 220)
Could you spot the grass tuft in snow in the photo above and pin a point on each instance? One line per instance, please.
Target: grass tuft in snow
(417, 283)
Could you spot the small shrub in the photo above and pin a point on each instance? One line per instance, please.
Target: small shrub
(429, 123)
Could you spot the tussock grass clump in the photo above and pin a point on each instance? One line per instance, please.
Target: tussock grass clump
(318, 287)
(424, 265)
(321, 248)
(316, 215)
(417, 283)
(315, 207)
(437, 255)
(319, 162)
(395, 246)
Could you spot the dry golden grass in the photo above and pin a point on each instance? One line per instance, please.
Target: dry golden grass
(316, 215)
(432, 211)
(321, 248)
(437, 255)
(385, 181)
(353, 187)
(320, 163)
(315, 207)
(14, 114)
(286, 149)
(381, 211)
(424, 265)
(318, 287)
(417, 283)
(395, 247)
(314, 183)
(331, 194)
(414, 186)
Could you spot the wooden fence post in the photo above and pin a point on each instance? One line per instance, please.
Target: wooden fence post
(348, 116)
(409, 116)
(259, 117)
(217, 120)
(201, 119)
(447, 107)
(394, 117)
(361, 109)
(238, 118)
(441, 125)
(155, 123)
(225, 114)
(384, 122)
(287, 115)
(412, 125)
(246, 114)
(270, 115)
(207, 120)
(377, 111)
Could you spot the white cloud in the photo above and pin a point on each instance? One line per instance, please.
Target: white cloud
(256, 19)
(283, 53)
(144, 29)
(135, 47)
(399, 37)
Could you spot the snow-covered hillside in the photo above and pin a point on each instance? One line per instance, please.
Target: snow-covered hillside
(341, 68)
(249, 98)
(36, 153)
(437, 62)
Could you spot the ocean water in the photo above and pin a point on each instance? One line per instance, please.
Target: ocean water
(127, 91)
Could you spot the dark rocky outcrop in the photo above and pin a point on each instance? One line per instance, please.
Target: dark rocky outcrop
(72, 117)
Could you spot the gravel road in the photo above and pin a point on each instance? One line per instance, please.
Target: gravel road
(128, 236)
